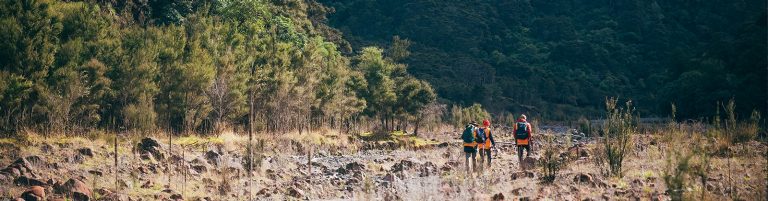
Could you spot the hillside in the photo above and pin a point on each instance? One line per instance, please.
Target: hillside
(561, 58)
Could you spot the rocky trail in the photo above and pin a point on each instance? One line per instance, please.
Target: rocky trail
(83, 169)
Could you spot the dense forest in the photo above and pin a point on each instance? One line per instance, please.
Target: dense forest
(561, 58)
(201, 66)
(182, 66)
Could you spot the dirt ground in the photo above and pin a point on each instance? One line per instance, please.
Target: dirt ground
(343, 167)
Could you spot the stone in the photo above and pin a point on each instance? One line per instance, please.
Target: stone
(295, 192)
(522, 174)
(176, 197)
(96, 173)
(583, 178)
(26, 181)
(34, 193)
(85, 151)
(151, 146)
(148, 184)
(213, 157)
(78, 190)
(498, 196)
(402, 165)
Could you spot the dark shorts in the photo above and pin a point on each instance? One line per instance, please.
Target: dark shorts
(469, 149)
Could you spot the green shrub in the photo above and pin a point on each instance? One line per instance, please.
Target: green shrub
(617, 130)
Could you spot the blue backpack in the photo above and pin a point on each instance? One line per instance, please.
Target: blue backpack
(481, 135)
(467, 135)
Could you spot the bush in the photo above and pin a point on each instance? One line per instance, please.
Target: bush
(687, 162)
(550, 161)
(617, 130)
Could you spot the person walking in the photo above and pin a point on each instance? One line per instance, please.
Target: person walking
(485, 147)
(522, 132)
(469, 137)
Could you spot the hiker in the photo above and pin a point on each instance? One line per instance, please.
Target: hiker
(468, 136)
(484, 146)
(522, 132)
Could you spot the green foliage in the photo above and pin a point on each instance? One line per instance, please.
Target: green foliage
(617, 131)
(550, 161)
(462, 116)
(188, 66)
(562, 57)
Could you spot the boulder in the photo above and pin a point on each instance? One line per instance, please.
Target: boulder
(213, 157)
(26, 181)
(85, 151)
(20, 167)
(74, 188)
(150, 147)
(402, 165)
(34, 193)
(352, 167)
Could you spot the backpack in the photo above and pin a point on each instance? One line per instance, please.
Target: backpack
(481, 135)
(467, 135)
(522, 130)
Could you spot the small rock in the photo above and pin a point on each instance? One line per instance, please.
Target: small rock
(583, 178)
(498, 196)
(389, 177)
(151, 146)
(402, 165)
(176, 197)
(96, 173)
(147, 184)
(295, 192)
(213, 157)
(26, 181)
(85, 151)
(34, 193)
(74, 188)
(441, 145)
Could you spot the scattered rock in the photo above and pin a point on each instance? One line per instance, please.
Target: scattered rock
(176, 197)
(20, 167)
(96, 173)
(402, 165)
(264, 192)
(147, 184)
(26, 181)
(441, 145)
(352, 167)
(46, 148)
(150, 147)
(34, 193)
(74, 188)
(522, 174)
(213, 157)
(498, 196)
(427, 169)
(295, 192)
(85, 151)
(582, 178)
(389, 177)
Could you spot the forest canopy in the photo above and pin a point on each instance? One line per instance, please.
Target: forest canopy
(184, 66)
(562, 58)
(202, 66)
